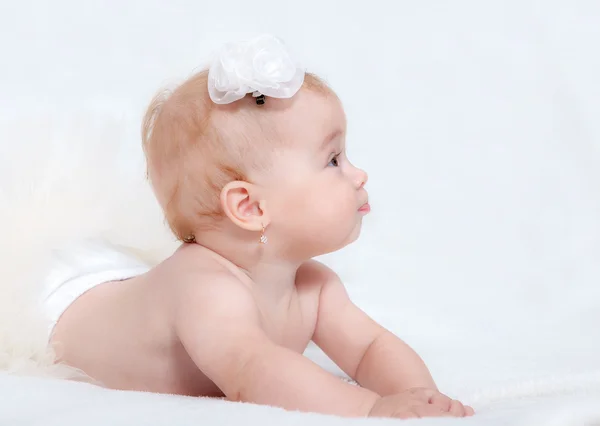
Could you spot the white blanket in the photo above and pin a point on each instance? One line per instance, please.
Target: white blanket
(478, 122)
(46, 402)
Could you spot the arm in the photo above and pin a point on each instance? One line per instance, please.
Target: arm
(219, 325)
(366, 351)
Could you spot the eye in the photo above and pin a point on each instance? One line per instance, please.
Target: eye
(334, 161)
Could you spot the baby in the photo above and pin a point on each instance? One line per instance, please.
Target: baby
(247, 160)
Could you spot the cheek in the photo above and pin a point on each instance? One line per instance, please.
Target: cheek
(329, 205)
(323, 203)
(318, 219)
(336, 206)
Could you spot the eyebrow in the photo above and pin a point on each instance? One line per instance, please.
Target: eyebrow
(331, 136)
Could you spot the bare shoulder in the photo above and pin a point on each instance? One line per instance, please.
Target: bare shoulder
(315, 276)
(206, 289)
(215, 291)
(330, 291)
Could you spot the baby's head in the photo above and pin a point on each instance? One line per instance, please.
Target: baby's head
(245, 168)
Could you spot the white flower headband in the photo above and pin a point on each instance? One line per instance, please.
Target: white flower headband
(261, 66)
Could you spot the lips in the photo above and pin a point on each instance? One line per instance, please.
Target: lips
(365, 208)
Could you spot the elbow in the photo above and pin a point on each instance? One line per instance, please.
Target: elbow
(245, 380)
(366, 358)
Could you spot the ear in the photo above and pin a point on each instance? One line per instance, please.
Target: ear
(242, 205)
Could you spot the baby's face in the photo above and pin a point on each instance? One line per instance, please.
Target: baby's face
(315, 196)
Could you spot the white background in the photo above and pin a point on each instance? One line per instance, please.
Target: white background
(478, 122)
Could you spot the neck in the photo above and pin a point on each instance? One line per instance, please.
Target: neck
(271, 277)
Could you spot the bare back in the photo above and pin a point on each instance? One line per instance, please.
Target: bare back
(123, 334)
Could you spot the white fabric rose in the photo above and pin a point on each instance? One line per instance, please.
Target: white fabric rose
(261, 66)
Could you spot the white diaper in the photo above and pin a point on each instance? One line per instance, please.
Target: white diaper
(79, 267)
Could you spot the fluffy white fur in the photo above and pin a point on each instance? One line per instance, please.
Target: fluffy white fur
(64, 178)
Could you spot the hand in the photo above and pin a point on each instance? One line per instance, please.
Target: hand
(419, 402)
(452, 406)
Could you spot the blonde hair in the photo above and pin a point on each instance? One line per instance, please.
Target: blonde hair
(193, 150)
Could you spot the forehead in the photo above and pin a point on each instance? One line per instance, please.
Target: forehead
(311, 118)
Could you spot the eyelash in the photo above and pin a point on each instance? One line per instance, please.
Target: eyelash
(335, 158)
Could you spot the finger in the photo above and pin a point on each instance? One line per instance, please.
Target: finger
(441, 401)
(422, 394)
(469, 410)
(429, 411)
(457, 409)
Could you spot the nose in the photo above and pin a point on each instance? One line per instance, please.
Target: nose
(361, 178)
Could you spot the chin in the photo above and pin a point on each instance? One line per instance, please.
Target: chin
(355, 233)
(329, 237)
(344, 240)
